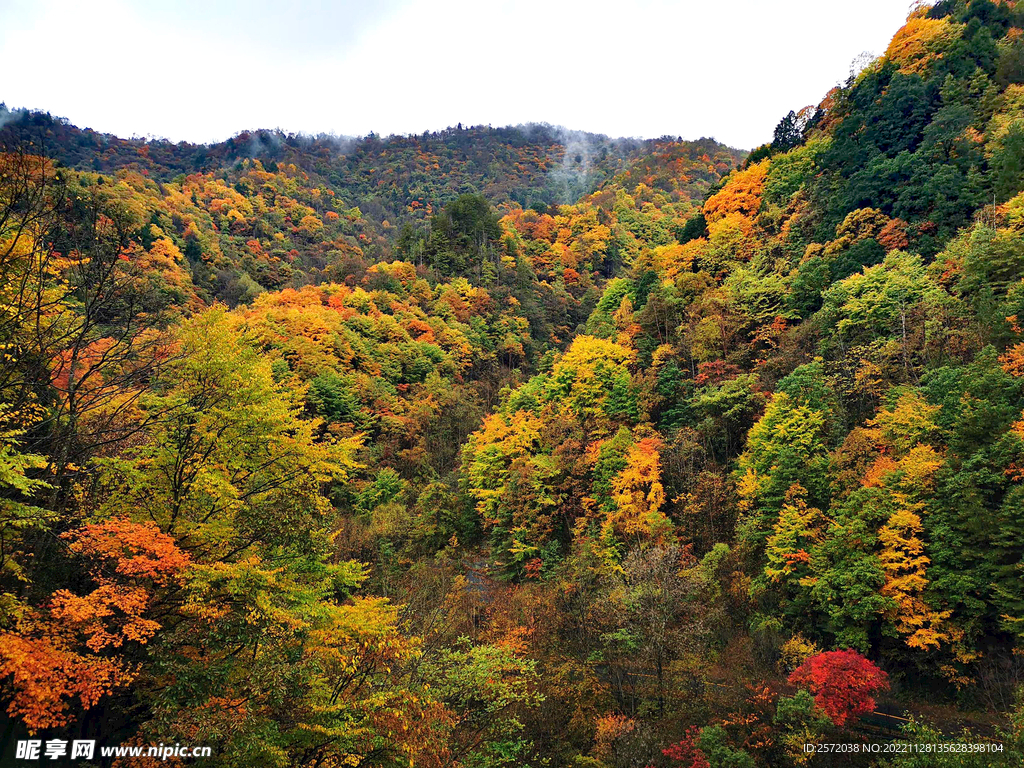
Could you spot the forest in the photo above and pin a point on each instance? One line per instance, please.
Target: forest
(527, 447)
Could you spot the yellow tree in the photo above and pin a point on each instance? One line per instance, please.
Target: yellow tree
(905, 566)
(798, 530)
(639, 496)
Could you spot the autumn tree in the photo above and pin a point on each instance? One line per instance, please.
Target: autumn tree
(843, 683)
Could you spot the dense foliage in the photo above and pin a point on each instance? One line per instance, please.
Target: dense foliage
(518, 448)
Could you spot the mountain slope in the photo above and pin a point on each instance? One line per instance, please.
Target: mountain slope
(265, 210)
(693, 467)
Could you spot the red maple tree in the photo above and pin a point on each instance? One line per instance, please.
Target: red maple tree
(686, 752)
(842, 683)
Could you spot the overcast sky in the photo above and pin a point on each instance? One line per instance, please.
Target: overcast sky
(203, 70)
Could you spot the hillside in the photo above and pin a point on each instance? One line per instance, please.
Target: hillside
(265, 210)
(509, 447)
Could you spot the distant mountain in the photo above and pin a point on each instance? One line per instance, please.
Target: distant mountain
(527, 165)
(264, 209)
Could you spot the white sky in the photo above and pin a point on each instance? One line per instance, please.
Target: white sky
(203, 70)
